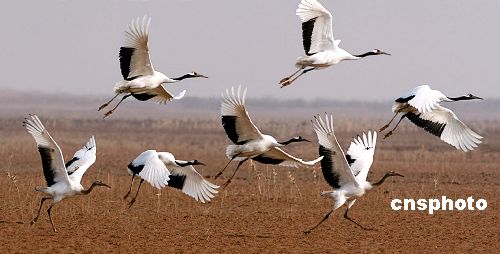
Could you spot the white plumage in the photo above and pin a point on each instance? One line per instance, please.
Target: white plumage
(346, 174)
(249, 142)
(321, 49)
(140, 78)
(161, 169)
(421, 106)
(63, 180)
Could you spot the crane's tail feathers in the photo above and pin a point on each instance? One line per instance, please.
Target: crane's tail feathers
(232, 150)
(328, 194)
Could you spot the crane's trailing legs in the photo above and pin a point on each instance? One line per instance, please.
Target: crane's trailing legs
(286, 81)
(50, 218)
(137, 193)
(112, 110)
(220, 173)
(389, 123)
(347, 217)
(130, 187)
(390, 132)
(326, 217)
(39, 209)
(234, 173)
(107, 103)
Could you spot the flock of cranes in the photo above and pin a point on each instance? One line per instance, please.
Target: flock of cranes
(346, 172)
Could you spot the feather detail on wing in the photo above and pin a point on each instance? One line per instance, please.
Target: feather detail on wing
(422, 98)
(52, 158)
(334, 165)
(134, 54)
(151, 169)
(360, 154)
(82, 160)
(235, 120)
(317, 34)
(191, 183)
(277, 156)
(443, 123)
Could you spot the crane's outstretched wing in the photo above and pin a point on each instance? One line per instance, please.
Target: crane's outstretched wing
(443, 123)
(81, 161)
(423, 98)
(52, 158)
(317, 34)
(191, 182)
(235, 120)
(150, 168)
(134, 54)
(360, 154)
(277, 156)
(334, 164)
(159, 94)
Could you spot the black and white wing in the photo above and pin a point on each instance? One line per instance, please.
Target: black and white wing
(360, 154)
(334, 165)
(317, 34)
(81, 161)
(52, 158)
(422, 98)
(150, 168)
(235, 120)
(159, 94)
(134, 54)
(443, 123)
(277, 156)
(189, 181)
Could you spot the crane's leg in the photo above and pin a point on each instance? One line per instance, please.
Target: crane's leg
(133, 200)
(111, 111)
(107, 103)
(390, 132)
(289, 77)
(236, 170)
(38, 213)
(130, 188)
(288, 82)
(50, 218)
(347, 217)
(220, 173)
(389, 123)
(326, 217)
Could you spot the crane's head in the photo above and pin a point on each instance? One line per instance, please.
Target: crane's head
(100, 183)
(294, 139)
(380, 52)
(195, 162)
(195, 74)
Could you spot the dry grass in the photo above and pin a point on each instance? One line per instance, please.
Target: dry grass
(265, 209)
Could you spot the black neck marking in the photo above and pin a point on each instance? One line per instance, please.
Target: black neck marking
(370, 53)
(460, 98)
(185, 76)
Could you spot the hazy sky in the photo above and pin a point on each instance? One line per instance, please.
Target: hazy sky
(72, 46)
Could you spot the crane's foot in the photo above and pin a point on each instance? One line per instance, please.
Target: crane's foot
(126, 196)
(307, 231)
(383, 128)
(103, 106)
(388, 134)
(284, 79)
(108, 113)
(285, 83)
(226, 184)
(131, 203)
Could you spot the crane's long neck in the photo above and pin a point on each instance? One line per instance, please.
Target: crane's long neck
(87, 191)
(369, 53)
(460, 98)
(381, 180)
(185, 76)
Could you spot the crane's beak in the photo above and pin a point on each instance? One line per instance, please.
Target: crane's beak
(385, 53)
(199, 163)
(201, 76)
(396, 174)
(475, 97)
(103, 184)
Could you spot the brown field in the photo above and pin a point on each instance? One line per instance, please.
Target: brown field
(264, 210)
